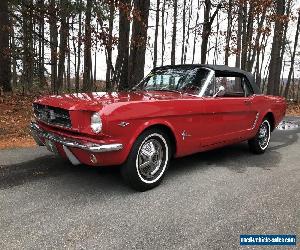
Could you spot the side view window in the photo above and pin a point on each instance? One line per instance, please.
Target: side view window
(235, 86)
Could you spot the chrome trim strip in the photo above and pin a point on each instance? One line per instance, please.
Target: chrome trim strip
(255, 121)
(72, 158)
(91, 147)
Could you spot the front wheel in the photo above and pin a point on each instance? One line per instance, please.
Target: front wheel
(148, 160)
(260, 142)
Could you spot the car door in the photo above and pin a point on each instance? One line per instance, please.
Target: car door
(236, 106)
(228, 117)
(207, 121)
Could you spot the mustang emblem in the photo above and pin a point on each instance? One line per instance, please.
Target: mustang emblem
(185, 134)
(123, 124)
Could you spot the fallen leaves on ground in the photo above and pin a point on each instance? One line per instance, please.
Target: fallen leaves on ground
(16, 114)
(293, 109)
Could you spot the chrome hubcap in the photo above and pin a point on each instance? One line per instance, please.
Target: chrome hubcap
(263, 135)
(150, 158)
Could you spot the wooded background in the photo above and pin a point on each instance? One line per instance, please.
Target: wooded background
(57, 45)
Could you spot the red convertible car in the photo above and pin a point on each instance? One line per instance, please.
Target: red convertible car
(175, 111)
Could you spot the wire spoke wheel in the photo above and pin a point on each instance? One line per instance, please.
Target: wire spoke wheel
(260, 142)
(264, 135)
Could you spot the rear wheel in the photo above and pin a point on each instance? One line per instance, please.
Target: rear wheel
(148, 160)
(260, 142)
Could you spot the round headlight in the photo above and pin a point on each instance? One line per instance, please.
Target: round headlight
(96, 123)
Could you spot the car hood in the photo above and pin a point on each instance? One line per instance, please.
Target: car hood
(96, 100)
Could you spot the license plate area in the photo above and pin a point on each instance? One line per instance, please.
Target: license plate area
(51, 146)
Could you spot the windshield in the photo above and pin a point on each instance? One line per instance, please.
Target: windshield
(189, 81)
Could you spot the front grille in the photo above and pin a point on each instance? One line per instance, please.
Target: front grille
(52, 115)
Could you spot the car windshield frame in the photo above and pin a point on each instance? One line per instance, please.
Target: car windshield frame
(209, 77)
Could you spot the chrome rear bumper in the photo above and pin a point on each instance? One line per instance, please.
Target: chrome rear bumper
(38, 133)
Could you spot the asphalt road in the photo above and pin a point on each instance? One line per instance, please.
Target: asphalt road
(205, 202)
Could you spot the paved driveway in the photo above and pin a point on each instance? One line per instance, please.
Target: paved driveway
(206, 201)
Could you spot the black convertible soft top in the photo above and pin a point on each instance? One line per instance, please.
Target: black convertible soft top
(219, 70)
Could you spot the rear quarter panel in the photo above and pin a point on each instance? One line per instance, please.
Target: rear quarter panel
(265, 104)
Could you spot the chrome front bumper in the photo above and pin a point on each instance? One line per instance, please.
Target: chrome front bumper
(38, 133)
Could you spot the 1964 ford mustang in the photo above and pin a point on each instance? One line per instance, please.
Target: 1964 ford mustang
(175, 111)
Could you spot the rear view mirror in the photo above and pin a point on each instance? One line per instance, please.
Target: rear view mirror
(220, 92)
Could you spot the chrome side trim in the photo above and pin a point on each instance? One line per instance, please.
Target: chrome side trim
(72, 158)
(255, 121)
(91, 147)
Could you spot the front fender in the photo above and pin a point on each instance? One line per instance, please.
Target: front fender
(147, 125)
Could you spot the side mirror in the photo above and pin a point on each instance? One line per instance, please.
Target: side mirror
(220, 92)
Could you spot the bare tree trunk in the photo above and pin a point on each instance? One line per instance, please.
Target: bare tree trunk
(188, 30)
(79, 50)
(207, 28)
(27, 76)
(173, 52)
(163, 32)
(183, 31)
(54, 44)
(293, 86)
(69, 65)
(121, 67)
(284, 43)
(63, 45)
(245, 33)
(195, 31)
(257, 47)
(229, 31)
(95, 59)
(138, 42)
(260, 62)
(276, 59)
(13, 55)
(239, 37)
(5, 73)
(156, 33)
(41, 61)
(286, 91)
(109, 65)
(87, 76)
(250, 30)
(74, 44)
(298, 91)
(216, 42)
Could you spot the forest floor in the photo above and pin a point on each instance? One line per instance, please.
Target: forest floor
(16, 114)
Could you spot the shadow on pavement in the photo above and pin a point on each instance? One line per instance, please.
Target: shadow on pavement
(53, 166)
